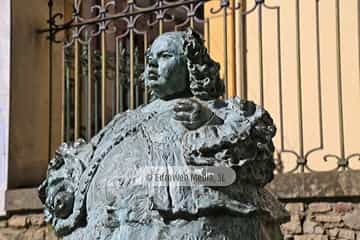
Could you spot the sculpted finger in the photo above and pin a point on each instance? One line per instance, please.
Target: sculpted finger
(195, 115)
(192, 125)
(188, 125)
(196, 105)
(184, 101)
(183, 107)
(182, 116)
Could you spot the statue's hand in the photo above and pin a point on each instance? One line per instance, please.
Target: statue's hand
(191, 113)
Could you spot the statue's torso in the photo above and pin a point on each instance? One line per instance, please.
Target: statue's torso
(150, 137)
(156, 143)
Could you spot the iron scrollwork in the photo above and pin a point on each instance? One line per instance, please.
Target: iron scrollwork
(82, 28)
(105, 19)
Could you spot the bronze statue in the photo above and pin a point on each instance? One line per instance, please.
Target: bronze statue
(87, 195)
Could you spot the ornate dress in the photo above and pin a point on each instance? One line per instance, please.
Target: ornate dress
(89, 193)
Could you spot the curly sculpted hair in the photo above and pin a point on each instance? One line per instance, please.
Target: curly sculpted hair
(204, 72)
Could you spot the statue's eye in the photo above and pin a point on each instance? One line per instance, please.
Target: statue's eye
(166, 55)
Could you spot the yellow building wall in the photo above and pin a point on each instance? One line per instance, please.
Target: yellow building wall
(30, 134)
(298, 72)
(216, 35)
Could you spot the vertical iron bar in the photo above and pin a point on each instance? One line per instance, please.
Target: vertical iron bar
(192, 24)
(117, 77)
(280, 80)
(121, 86)
(76, 89)
(281, 110)
(62, 137)
(103, 74)
(339, 80)
(318, 62)
(146, 93)
(96, 105)
(132, 46)
(244, 19)
(51, 37)
(76, 79)
(132, 105)
(233, 41)
(113, 99)
(299, 83)
(240, 65)
(161, 20)
(68, 103)
(261, 55)
(225, 49)
(89, 87)
(136, 64)
(358, 31)
(84, 88)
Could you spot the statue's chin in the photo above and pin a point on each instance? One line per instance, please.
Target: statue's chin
(170, 93)
(158, 93)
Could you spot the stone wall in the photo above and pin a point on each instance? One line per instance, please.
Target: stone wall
(323, 221)
(309, 221)
(25, 227)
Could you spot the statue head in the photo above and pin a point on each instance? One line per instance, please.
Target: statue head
(178, 65)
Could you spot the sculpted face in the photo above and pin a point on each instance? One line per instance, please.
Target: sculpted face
(166, 70)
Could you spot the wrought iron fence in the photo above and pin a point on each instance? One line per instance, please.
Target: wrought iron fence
(104, 44)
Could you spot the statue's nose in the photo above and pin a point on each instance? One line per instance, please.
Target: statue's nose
(153, 62)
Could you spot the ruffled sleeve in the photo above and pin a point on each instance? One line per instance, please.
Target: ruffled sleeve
(240, 136)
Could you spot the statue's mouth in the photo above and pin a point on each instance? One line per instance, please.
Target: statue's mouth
(152, 74)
